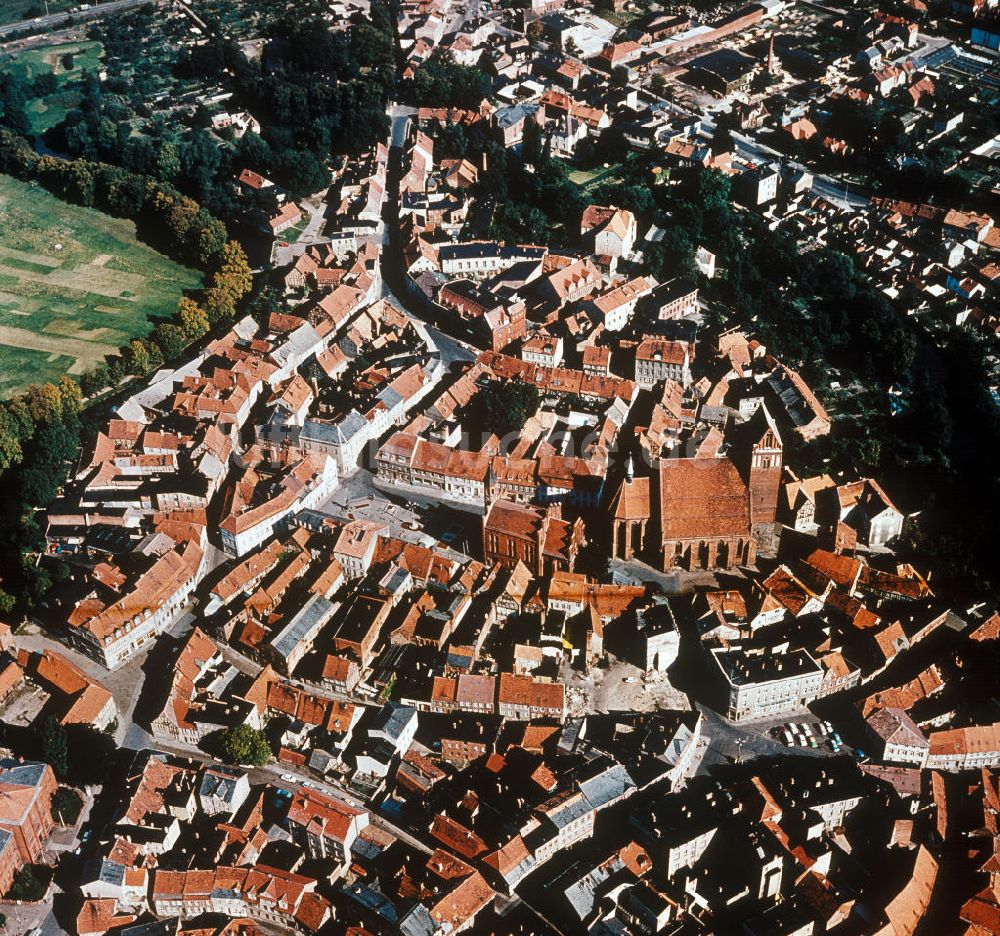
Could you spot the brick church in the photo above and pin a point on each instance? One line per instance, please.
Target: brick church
(710, 511)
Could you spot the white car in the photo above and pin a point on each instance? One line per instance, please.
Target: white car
(289, 778)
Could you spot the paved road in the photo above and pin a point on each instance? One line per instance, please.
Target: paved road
(729, 742)
(124, 683)
(452, 347)
(47, 23)
(274, 773)
(433, 516)
(751, 149)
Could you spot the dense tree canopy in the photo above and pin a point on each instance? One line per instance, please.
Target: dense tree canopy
(504, 407)
(441, 82)
(242, 745)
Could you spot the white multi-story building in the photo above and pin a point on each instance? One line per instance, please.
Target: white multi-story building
(969, 748)
(242, 532)
(766, 683)
(325, 826)
(657, 360)
(567, 818)
(897, 738)
(112, 635)
(546, 350)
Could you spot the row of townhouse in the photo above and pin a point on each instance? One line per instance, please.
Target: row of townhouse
(480, 477)
(262, 893)
(512, 696)
(480, 259)
(897, 739)
(560, 822)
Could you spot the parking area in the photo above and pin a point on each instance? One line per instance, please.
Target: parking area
(813, 733)
(414, 518)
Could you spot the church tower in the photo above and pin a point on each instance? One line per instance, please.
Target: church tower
(764, 475)
(773, 65)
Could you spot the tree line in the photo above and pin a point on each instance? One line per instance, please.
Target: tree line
(40, 429)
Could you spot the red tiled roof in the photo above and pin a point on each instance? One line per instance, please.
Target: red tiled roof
(703, 498)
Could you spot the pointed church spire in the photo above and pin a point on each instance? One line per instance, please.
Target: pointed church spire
(772, 64)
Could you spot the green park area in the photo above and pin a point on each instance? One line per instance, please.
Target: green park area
(75, 285)
(66, 63)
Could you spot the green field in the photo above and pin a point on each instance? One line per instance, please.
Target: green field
(75, 284)
(45, 112)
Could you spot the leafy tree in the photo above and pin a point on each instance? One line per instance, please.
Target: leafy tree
(168, 162)
(66, 806)
(441, 82)
(301, 171)
(10, 440)
(43, 402)
(220, 305)
(504, 408)
(7, 602)
(714, 189)
(27, 886)
(672, 255)
(70, 395)
(243, 745)
(14, 97)
(170, 339)
(56, 444)
(200, 161)
(45, 84)
(39, 485)
(94, 379)
(136, 357)
(55, 749)
(192, 319)
(234, 272)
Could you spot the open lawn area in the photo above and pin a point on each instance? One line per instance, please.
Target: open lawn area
(590, 179)
(75, 285)
(68, 62)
